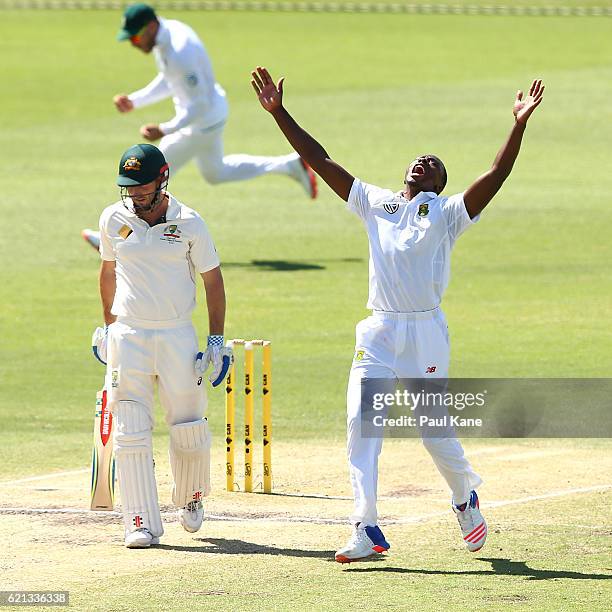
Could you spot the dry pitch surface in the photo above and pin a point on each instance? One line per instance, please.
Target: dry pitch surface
(547, 504)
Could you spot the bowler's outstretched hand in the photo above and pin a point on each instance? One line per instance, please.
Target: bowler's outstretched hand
(270, 95)
(523, 108)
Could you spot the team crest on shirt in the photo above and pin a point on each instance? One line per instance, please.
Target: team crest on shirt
(391, 207)
(132, 163)
(192, 79)
(359, 355)
(423, 210)
(171, 234)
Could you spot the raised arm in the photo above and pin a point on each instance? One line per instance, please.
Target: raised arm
(482, 190)
(271, 98)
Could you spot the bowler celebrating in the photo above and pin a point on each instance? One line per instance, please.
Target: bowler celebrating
(411, 234)
(196, 130)
(153, 249)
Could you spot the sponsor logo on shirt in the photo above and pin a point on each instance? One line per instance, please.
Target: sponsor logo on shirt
(171, 234)
(430, 370)
(125, 231)
(423, 210)
(391, 207)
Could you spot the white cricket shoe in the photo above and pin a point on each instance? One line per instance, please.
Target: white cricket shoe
(473, 526)
(92, 238)
(303, 174)
(191, 516)
(364, 542)
(141, 538)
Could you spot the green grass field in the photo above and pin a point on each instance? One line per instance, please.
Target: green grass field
(528, 297)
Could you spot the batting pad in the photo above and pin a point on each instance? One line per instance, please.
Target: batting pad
(190, 460)
(135, 468)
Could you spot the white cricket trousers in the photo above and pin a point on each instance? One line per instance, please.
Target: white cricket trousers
(205, 147)
(399, 345)
(139, 354)
(138, 357)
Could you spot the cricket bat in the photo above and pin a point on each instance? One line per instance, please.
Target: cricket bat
(103, 459)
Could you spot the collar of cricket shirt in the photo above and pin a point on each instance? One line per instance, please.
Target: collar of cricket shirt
(163, 34)
(174, 208)
(419, 198)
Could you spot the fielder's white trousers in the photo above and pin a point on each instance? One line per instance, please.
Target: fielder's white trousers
(399, 345)
(139, 357)
(205, 147)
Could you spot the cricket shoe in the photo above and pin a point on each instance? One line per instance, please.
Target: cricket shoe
(92, 238)
(303, 174)
(141, 538)
(363, 543)
(473, 526)
(191, 516)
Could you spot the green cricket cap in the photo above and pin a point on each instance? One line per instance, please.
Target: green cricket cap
(135, 17)
(141, 164)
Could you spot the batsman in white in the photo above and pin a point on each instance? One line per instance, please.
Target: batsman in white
(196, 130)
(153, 248)
(411, 234)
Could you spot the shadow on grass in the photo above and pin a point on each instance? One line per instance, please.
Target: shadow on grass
(283, 265)
(240, 547)
(499, 567)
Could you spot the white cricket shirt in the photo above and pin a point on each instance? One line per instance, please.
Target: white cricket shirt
(410, 244)
(186, 74)
(156, 267)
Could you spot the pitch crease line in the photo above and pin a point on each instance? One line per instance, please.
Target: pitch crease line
(44, 477)
(171, 516)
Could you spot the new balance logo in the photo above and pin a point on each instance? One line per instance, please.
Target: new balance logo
(391, 207)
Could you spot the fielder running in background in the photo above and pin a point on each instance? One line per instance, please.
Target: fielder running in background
(153, 248)
(196, 130)
(411, 234)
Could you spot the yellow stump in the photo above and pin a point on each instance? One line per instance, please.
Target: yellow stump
(248, 417)
(267, 416)
(230, 415)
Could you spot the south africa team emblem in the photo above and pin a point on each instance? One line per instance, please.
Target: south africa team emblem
(391, 207)
(423, 210)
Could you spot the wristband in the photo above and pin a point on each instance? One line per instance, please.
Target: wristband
(215, 340)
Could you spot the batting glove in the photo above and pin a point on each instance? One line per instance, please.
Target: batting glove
(221, 357)
(99, 342)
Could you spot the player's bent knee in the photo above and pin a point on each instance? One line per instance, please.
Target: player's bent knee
(190, 460)
(432, 443)
(214, 174)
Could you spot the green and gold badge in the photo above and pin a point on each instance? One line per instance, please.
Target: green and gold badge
(423, 210)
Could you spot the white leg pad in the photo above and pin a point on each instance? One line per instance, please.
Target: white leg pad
(135, 468)
(190, 460)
